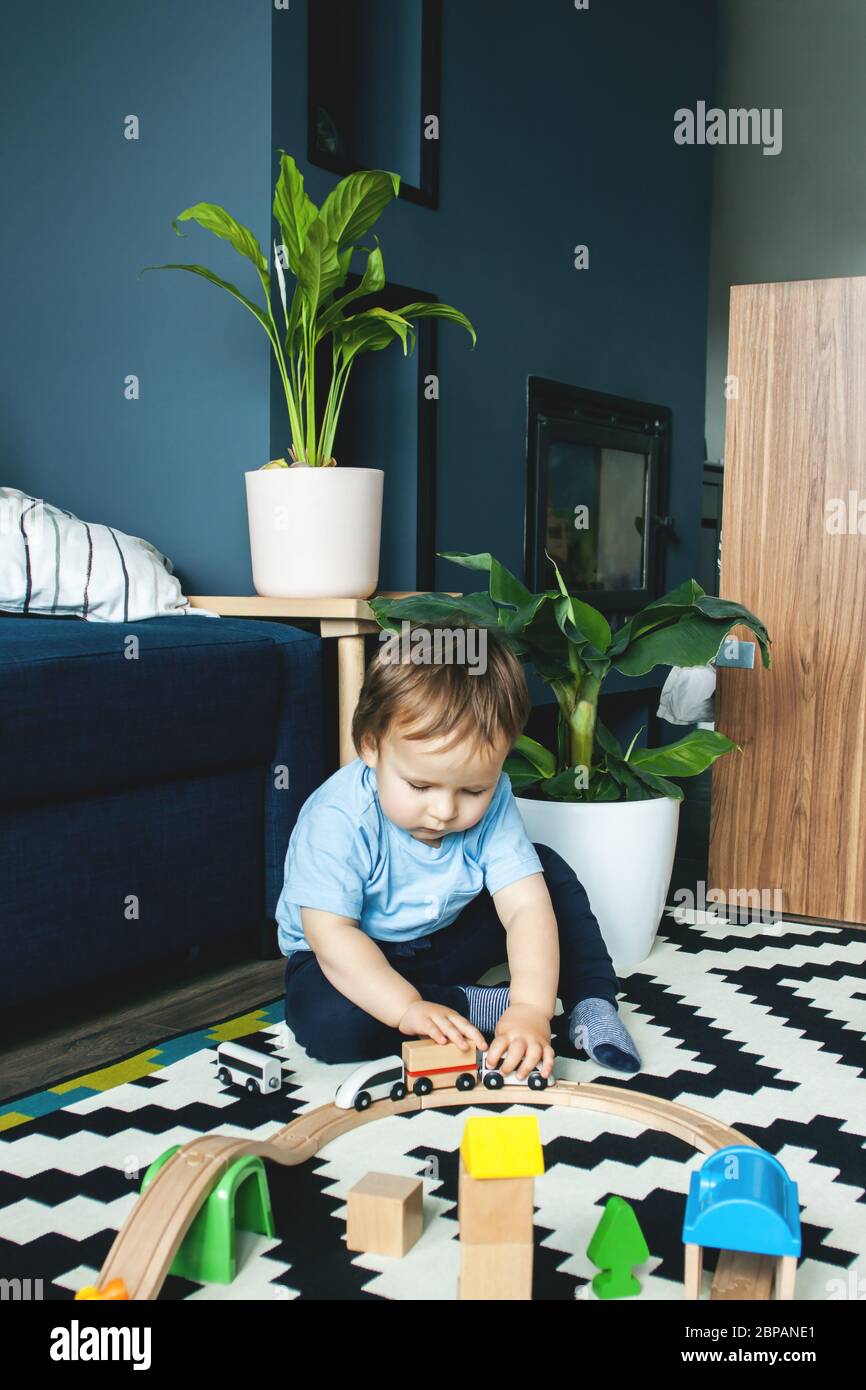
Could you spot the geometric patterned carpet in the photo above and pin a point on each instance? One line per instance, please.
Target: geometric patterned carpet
(761, 1027)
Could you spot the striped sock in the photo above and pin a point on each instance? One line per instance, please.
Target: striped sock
(486, 1004)
(595, 1025)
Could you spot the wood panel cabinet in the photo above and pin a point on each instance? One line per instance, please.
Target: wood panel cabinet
(789, 812)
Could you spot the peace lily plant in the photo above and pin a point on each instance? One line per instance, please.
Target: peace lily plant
(318, 246)
(572, 648)
(315, 530)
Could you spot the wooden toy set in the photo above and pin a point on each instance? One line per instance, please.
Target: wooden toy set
(196, 1196)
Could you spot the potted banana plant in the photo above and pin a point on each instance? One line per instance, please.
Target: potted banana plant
(612, 813)
(314, 527)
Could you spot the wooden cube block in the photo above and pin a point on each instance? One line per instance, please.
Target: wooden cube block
(442, 1062)
(385, 1214)
(494, 1211)
(495, 1272)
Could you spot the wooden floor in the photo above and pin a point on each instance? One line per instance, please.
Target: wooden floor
(77, 1046)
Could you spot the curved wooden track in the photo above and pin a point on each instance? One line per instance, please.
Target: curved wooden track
(150, 1237)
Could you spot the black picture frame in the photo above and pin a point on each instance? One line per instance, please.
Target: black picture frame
(322, 27)
(558, 411)
(393, 297)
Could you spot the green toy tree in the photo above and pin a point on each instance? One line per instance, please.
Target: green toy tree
(617, 1245)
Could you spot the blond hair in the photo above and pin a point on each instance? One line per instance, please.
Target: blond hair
(434, 699)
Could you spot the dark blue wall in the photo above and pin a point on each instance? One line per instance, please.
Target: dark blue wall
(556, 129)
(83, 210)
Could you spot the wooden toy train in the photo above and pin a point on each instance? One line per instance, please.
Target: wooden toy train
(741, 1201)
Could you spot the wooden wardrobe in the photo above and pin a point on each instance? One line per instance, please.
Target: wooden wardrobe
(789, 812)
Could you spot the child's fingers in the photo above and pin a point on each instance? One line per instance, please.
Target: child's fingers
(523, 1057)
(495, 1051)
(531, 1059)
(513, 1055)
(549, 1059)
(470, 1031)
(452, 1032)
(521, 1054)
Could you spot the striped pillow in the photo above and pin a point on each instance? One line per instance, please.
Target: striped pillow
(52, 563)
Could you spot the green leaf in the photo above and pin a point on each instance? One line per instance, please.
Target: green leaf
(685, 758)
(536, 754)
(554, 657)
(533, 619)
(659, 785)
(318, 272)
(662, 610)
(634, 788)
(293, 210)
(685, 627)
(427, 310)
(473, 609)
(586, 621)
(400, 327)
(691, 641)
(354, 205)
(603, 787)
(680, 599)
(370, 332)
(521, 773)
(215, 219)
(223, 285)
(606, 741)
(371, 281)
(294, 319)
(735, 614)
(562, 786)
(628, 751)
(504, 586)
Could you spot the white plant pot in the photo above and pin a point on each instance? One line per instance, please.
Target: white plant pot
(315, 532)
(623, 854)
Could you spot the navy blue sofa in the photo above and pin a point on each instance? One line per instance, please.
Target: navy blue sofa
(150, 777)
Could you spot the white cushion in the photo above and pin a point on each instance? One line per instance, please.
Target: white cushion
(52, 563)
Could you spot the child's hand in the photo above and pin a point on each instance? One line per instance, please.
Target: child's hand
(443, 1025)
(522, 1040)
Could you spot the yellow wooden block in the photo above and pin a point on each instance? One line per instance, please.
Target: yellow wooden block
(385, 1214)
(502, 1146)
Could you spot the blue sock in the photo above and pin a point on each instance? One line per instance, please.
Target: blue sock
(485, 1006)
(595, 1025)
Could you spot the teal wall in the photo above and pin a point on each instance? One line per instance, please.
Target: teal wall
(84, 210)
(557, 129)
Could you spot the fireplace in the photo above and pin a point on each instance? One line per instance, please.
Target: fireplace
(597, 489)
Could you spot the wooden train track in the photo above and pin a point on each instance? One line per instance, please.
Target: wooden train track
(149, 1239)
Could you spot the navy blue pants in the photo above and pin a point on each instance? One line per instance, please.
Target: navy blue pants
(333, 1029)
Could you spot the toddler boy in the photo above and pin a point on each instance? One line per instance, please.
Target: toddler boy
(409, 874)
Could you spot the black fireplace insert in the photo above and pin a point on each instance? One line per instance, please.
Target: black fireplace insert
(597, 493)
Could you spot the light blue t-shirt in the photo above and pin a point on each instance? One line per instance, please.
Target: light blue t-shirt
(346, 856)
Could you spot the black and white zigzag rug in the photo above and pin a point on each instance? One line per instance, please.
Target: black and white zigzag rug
(760, 1027)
